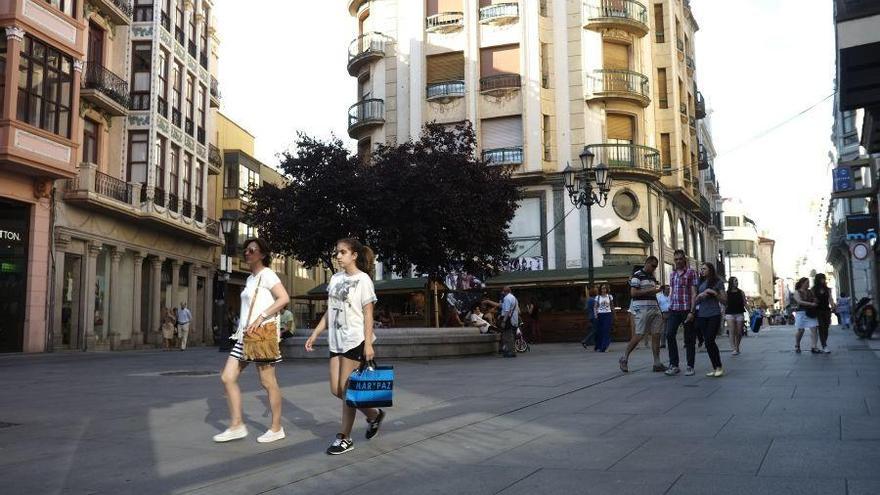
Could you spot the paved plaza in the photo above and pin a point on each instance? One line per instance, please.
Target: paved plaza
(556, 420)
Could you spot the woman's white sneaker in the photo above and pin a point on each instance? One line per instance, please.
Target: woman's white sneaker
(271, 436)
(231, 434)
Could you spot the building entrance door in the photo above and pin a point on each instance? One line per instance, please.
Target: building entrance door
(71, 299)
(14, 236)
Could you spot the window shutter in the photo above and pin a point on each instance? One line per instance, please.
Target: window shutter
(499, 60)
(434, 7)
(616, 56)
(446, 67)
(620, 127)
(504, 132)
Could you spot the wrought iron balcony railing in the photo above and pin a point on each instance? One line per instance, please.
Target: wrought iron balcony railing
(628, 157)
(504, 156)
(111, 187)
(444, 22)
(701, 106)
(159, 196)
(98, 77)
(630, 15)
(214, 157)
(499, 12)
(365, 47)
(364, 112)
(625, 83)
(445, 89)
(215, 88)
(500, 82)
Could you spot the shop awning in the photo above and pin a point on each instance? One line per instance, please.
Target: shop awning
(570, 276)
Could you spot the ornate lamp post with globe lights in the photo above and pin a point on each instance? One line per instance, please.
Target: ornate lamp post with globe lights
(583, 192)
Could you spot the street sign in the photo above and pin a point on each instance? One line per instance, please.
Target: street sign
(860, 250)
(842, 179)
(861, 227)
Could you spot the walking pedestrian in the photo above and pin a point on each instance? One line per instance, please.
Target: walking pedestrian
(734, 314)
(647, 319)
(509, 321)
(824, 307)
(664, 302)
(349, 325)
(710, 297)
(590, 337)
(844, 310)
(167, 328)
(682, 295)
(263, 296)
(805, 314)
(184, 317)
(604, 309)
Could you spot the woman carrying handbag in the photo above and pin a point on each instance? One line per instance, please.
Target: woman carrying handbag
(349, 324)
(256, 341)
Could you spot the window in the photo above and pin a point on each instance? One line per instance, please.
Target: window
(163, 83)
(732, 221)
(140, 76)
(176, 88)
(665, 152)
(197, 178)
(502, 139)
(681, 238)
(187, 176)
(615, 56)
(90, 141)
(849, 122)
(203, 56)
(143, 10)
(544, 8)
(190, 104)
(545, 65)
(174, 173)
(66, 6)
(546, 127)
(192, 34)
(159, 161)
(526, 231)
(740, 248)
(245, 231)
(166, 15)
(668, 233)
(200, 116)
(178, 21)
(662, 89)
(445, 67)
(138, 142)
(2, 71)
(626, 205)
(499, 60)
(246, 177)
(659, 23)
(44, 87)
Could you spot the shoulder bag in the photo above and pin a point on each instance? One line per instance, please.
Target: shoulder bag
(261, 345)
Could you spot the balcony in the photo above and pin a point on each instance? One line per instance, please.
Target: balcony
(446, 22)
(701, 106)
(499, 13)
(631, 160)
(614, 84)
(705, 210)
(500, 84)
(215, 160)
(364, 49)
(504, 156)
(626, 15)
(215, 93)
(364, 114)
(104, 89)
(118, 11)
(445, 91)
(93, 189)
(232, 192)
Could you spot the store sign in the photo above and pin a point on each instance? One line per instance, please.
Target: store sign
(861, 227)
(10, 235)
(842, 179)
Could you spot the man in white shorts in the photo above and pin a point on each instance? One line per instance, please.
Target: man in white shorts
(646, 315)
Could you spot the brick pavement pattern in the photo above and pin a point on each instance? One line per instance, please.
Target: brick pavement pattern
(557, 420)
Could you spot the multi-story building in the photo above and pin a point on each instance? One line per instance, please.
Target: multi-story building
(711, 193)
(41, 67)
(239, 172)
(749, 255)
(131, 233)
(541, 81)
(852, 219)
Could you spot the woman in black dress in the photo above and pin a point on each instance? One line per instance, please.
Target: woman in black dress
(734, 314)
(824, 306)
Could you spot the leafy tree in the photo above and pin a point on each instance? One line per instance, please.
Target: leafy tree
(322, 201)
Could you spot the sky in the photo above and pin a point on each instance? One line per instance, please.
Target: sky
(759, 63)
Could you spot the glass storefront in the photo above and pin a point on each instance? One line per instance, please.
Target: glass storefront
(71, 313)
(14, 237)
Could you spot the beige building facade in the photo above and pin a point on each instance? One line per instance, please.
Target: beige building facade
(541, 81)
(132, 234)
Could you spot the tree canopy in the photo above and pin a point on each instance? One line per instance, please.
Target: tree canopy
(431, 203)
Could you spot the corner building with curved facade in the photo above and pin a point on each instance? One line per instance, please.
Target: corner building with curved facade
(541, 80)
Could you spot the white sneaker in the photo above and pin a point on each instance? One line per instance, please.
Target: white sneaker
(689, 371)
(271, 436)
(231, 434)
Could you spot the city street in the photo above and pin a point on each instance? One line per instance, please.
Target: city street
(556, 420)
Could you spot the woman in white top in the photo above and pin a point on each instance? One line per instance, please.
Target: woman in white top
(265, 290)
(349, 322)
(604, 317)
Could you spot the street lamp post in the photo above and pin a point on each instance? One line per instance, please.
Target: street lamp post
(581, 192)
(227, 224)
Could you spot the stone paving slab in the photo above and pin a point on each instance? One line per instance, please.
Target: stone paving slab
(556, 420)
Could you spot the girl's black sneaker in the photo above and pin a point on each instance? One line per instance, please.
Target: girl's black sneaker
(341, 445)
(374, 425)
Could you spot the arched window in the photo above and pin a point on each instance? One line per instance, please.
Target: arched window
(668, 234)
(681, 238)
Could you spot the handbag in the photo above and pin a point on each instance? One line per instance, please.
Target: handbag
(370, 386)
(261, 345)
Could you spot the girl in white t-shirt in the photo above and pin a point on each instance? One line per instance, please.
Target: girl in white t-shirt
(266, 293)
(349, 324)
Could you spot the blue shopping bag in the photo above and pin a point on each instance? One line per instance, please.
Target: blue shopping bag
(370, 386)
